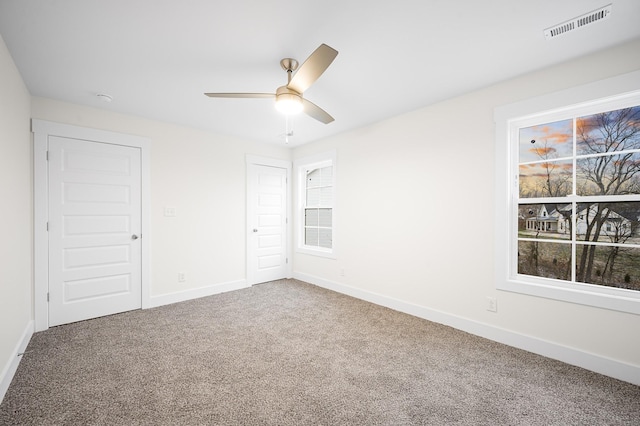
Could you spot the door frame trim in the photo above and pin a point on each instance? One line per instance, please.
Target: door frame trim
(269, 162)
(41, 130)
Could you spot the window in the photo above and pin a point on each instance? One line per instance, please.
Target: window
(316, 181)
(572, 201)
(584, 166)
(317, 209)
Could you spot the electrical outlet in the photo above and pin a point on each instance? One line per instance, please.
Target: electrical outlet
(182, 277)
(342, 272)
(492, 304)
(170, 211)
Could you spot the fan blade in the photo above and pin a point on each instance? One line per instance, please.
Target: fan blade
(314, 111)
(240, 95)
(312, 68)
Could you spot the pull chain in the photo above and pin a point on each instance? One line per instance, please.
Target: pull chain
(288, 131)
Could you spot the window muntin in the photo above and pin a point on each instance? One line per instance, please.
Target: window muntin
(578, 202)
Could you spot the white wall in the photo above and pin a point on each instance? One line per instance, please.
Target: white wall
(415, 219)
(200, 174)
(16, 218)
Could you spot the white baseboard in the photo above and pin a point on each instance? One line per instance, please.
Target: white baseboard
(195, 293)
(10, 368)
(596, 363)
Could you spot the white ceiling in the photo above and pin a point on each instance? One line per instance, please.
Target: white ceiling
(157, 57)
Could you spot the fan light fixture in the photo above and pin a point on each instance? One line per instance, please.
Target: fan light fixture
(288, 103)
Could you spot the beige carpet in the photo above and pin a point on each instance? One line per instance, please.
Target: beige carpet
(289, 353)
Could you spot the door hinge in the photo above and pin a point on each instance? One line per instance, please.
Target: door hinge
(47, 226)
(47, 296)
(47, 155)
(286, 260)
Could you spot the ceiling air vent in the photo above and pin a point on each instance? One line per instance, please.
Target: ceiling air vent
(578, 22)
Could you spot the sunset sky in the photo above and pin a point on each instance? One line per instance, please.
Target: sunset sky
(622, 131)
(533, 178)
(546, 141)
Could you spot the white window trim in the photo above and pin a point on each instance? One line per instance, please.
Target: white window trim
(614, 91)
(301, 165)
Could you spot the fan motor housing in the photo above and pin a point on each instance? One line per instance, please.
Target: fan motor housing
(284, 90)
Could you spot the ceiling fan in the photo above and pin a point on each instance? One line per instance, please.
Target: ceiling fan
(289, 98)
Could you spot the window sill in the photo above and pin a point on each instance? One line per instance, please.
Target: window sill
(317, 252)
(612, 298)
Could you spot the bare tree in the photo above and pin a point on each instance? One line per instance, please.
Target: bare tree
(621, 230)
(557, 182)
(610, 174)
(595, 215)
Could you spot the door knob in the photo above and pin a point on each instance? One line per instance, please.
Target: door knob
(134, 237)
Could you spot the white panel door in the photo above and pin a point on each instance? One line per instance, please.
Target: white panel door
(94, 229)
(267, 220)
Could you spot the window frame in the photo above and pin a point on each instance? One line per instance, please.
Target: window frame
(603, 95)
(301, 166)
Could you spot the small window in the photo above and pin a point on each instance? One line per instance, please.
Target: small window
(316, 180)
(318, 207)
